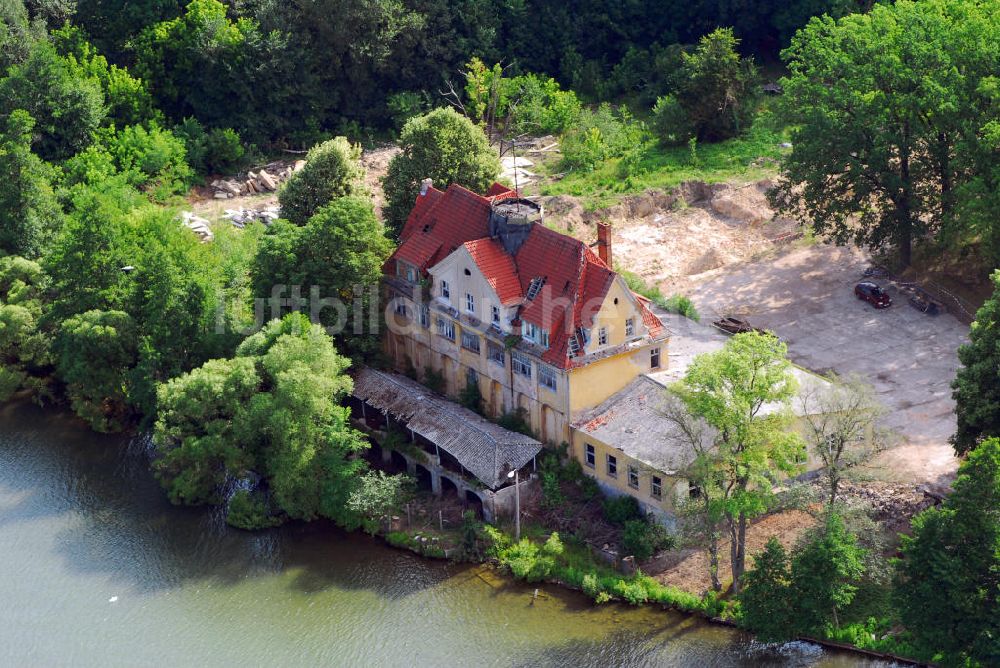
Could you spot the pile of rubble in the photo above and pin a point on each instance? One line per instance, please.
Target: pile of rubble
(267, 179)
(198, 225)
(891, 504)
(242, 217)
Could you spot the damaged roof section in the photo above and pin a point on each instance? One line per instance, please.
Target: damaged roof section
(485, 449)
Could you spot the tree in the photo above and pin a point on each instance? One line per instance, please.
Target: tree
(841, 427)
(826, 568)
(25, 346)
(29, 213)
(876, 146)
(340, 251)
(718, 90)
(764, 601)
(66, 108)
(378, 496)
(273, 409)
(442, 146)
(94, 351)
(948, 594)
(742, 393)
(332, 170)
(976, 388)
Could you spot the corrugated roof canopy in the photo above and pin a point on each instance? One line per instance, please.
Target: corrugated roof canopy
(485, 449)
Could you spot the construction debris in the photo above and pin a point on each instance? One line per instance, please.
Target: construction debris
(267, 179)
(242, 217)
(197, 225)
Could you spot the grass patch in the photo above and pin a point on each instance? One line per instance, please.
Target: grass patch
(751, 157)
(679, 304)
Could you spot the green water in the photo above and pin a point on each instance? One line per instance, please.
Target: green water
(82, 521)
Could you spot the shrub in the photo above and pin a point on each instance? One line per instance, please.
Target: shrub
(602, 597)
(333, 169)
(634, 592)
(670, 121)
(516, 420)
(600, 135)
(591, 585)
(248, 510)
(154, 160)
(433, 380)
(643, 538)
(620, 509)
(218, 151)
(541, 106)
(470, 396)
(682, 306)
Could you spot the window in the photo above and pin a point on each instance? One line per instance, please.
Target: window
(574, 346)
(536, 334)
(520, 363)
(633, 477)
(612, 466)
(654, 358)
(547, 377)
(602, 336)
(406, 271)
(629, 326)
(400, 307)
(590, 457)
(470, 303)
(446, 328)
(543, 338)
(471, 377)
(656, 487)
(470, 341)
(495, 352)
(425, 315)
(533, 287)
(495, 314)
(445, 290)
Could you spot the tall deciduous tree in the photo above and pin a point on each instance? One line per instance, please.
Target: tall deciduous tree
(743, 394)
(764, 601)
(332, 170)
(841, 427)
(445, 147)
(949, 589)
(882, 104)
(29, 213)
(976, 388)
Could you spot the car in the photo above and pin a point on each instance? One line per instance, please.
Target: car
(873, 294)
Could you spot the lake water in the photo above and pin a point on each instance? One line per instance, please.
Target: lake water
(98, 569)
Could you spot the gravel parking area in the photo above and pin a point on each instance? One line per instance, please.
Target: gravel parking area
(805, 295)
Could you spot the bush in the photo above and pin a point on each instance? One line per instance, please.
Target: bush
(333, 169)
(516, 420)
(591, 585)
(670, 121)
(621, 509)
(634, 592)
(470, 396)
(600, 135)
(681, 305)
(643, 538)
(219, 151)
(154, 160)
(541, 106)
(249, 510)
(433, 380)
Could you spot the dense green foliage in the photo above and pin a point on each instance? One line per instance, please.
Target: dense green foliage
(271, 410)
(883, 153)
(332, 170)
(976, 388)
(786, 597)
(743, 449)
(443, 146)
(29, 212)
(949, 589)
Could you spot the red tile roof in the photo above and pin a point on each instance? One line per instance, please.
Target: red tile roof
(574, 279)
(498, 268)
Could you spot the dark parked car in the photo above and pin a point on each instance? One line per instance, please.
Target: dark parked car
(873, 294)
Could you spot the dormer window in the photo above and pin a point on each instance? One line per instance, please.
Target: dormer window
(445, 290)
(406, 271)
(535, 285)
(470, 303)
(536, 334)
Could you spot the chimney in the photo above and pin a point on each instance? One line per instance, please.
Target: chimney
(425, 185)
(604, 243)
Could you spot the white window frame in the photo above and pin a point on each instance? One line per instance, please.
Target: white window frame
(495, 315)
(470, 303)
(446, 329)
(602, 336)
(425, 316)
(530, 332)
(611, 465)
(656, 487)
(654, 355)
(547, 377)
(633, 473)
(472, 339)
(445, 289)
(520, 363)
(589, 456)
(629, 326)
(493, 347)
(400, 308)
